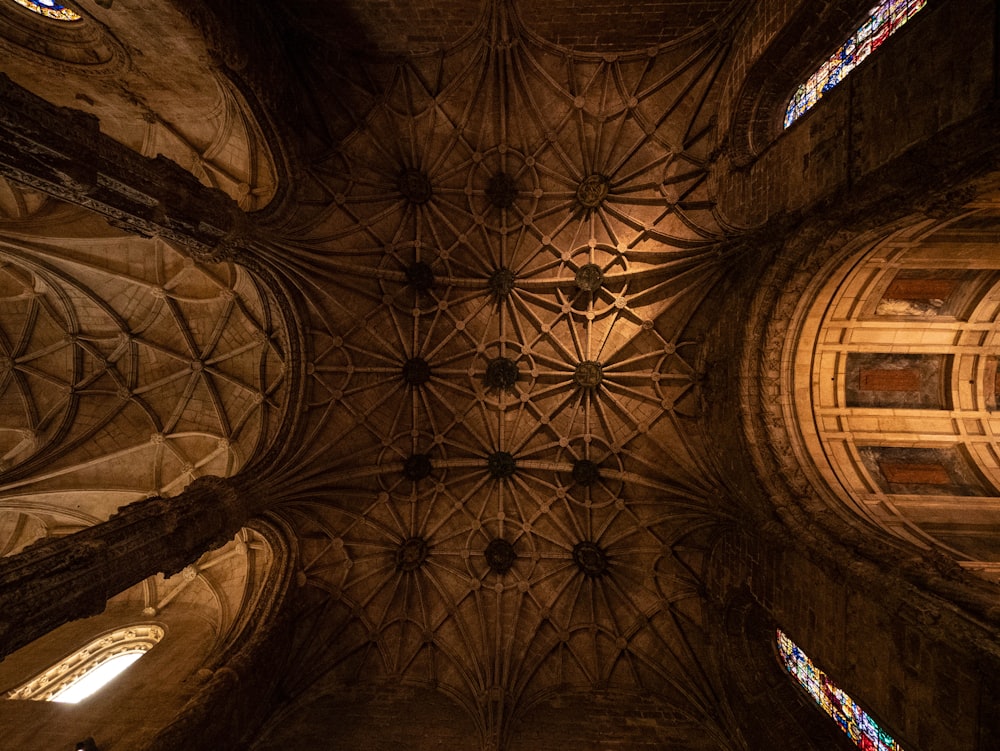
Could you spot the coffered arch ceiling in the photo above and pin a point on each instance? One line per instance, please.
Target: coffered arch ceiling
(898, 350)
(500, 491)
(127, 369)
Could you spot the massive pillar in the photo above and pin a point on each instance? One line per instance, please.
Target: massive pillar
(62, 152)
(58, 580)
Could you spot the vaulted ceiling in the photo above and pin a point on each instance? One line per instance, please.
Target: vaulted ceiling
(496, 477)
(500, 491)
(498, 224)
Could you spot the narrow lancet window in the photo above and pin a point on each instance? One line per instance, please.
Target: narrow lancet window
(92, 667)
(851, 718)
(882, 21)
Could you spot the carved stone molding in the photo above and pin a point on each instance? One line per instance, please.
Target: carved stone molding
(62, 153)
(226, 711)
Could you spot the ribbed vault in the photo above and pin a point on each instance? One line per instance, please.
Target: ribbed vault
(499, 492)
(452, 336)
(127, 370)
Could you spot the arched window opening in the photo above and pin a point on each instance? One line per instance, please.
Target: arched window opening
(92, 682)
(882, 22)
(50, 9)
(852, 719)
(91, 668)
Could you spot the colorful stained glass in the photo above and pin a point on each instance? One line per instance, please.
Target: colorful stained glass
(881, 23)
(50, 9)
(851, 718)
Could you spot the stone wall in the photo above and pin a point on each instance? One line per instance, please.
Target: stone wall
(607, 722)
(930, 694)
(935, 73)
(372, 718)
(145, 697)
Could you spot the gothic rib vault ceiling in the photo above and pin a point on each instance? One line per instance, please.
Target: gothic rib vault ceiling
(496, 482)
(127, 370)
(499, 493)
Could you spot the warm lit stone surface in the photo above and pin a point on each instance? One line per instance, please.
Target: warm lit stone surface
(494, 331)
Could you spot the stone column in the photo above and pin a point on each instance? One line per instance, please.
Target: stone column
(245, 684)
(58, 580)
(62, 152)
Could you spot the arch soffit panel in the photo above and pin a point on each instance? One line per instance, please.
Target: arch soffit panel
(797, 439)
(894, 383)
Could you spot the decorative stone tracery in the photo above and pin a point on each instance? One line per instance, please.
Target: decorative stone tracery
(501, 190)
(590, 559)
(501, 464)
(592, 191)
(589, 277)
(585, 472)
(420, 276)
(501, 283)
(588, 374)
(556, 336)
(137, 638)
(416, 371)
(415, 186)
(417, 467)
(547, 303)
(501, 373)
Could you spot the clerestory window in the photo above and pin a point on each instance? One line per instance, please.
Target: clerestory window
(881, 22)
(852, 719)
(50, 9)
(92, 667)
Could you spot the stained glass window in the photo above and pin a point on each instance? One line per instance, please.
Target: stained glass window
(851, 718)
(881, 23)
(50, 9)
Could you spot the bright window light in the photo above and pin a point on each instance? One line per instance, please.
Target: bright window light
(91, 667)
(97, 678)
